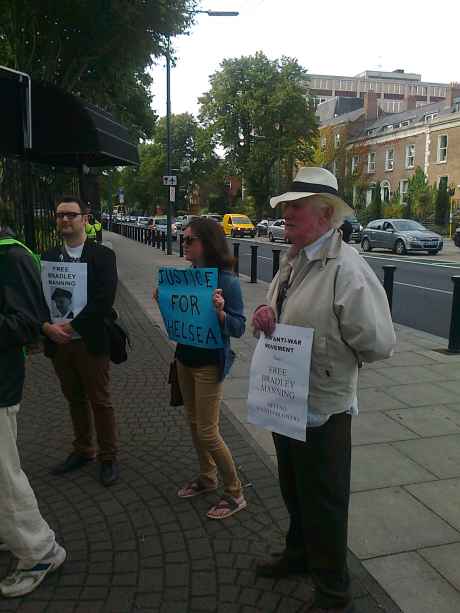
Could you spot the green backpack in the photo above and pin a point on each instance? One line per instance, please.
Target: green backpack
(6, 242)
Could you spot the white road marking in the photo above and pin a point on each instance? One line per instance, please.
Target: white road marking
(428, 289)
(391, 259)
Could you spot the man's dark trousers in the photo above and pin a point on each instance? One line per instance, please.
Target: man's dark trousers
(315, 484)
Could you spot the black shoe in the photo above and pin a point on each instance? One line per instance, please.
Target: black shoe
(280, 566)
(109, 473)
(73, 462)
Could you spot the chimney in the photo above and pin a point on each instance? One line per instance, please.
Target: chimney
(410, 103)
(371, 106)
(453, 91)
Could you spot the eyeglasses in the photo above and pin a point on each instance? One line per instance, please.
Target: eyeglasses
(189, 240)
(70, 216)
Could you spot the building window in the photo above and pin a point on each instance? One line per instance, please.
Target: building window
(457, 107)
(443, 182)
(442, 148)
(337, 140)
(389, 159)
(410, 156)
(354, 163)
(385, 191)
(404, 124)
(429, 118)
(371, 162)
(371, 132)
(403, 191)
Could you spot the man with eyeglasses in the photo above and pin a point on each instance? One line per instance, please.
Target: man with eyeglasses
(79, 347)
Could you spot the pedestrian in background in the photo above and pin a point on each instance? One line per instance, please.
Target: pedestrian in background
(80, 347)
(201, 371)
(23, 531)
(326, 285)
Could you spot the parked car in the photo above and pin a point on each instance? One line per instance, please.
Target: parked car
(262, 227)
(275, 231)
(357, 229)
(214, 216)
(457, 237)
(160, 224)
(183, 220)
(401, 236)
(237, 224)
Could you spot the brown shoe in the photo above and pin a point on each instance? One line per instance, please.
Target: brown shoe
(281, 566)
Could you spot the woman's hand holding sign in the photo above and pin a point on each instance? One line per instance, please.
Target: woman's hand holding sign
(219, 303)
(264, 320)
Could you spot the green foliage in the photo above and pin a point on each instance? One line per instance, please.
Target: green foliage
(99, 49)
(442, 205)
(258, 111)
(375, 207)
(419, 196)
(395, 209)
(193, 160)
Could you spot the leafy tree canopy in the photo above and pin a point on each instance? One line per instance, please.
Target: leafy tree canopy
(98, 49)
(259, 111)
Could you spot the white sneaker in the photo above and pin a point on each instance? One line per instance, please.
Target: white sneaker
(22, 581)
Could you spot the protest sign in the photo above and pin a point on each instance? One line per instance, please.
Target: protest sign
(279, 381)
(65, 289)
(185, 301)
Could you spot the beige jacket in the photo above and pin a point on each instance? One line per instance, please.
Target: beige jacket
(338, 295)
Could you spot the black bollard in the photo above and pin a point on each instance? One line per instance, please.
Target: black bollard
(236, 255)
(454, 332)
(163, 241)
(254, 263)
(276, 261)
(388, 280)
(158, 239)
(181, 245)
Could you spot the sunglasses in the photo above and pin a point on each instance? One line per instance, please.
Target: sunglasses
(189, 240)
(70, 216)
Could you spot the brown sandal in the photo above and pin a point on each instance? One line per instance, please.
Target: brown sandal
(227, 506)
(195, 488)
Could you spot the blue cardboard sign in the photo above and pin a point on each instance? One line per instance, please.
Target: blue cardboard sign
(185, 301)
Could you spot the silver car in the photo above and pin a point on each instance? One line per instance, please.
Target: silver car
(401, 236)
(275, 231)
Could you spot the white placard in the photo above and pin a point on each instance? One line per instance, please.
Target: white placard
(279, 381)
(65, 289)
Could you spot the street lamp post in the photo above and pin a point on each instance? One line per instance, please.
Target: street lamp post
(171, 195)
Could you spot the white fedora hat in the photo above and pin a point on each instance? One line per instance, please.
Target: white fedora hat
(313, 181)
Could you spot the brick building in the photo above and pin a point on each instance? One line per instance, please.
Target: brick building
(391, 88)
(387, 148)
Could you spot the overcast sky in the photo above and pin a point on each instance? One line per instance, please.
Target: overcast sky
(329, 37)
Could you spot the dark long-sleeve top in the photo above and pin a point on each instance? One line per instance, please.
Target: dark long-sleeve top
(22, 312)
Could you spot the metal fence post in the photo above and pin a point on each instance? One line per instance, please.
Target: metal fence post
(254, 263)
(236, 255)
(388, 280)
(454, 332)
(181, 245)
(276, 261)
(163, 241)
(157, 239)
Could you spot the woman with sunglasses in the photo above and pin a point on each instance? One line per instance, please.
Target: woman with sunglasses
(201, 371)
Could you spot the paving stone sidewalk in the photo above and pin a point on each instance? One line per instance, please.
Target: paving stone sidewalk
(136, 547)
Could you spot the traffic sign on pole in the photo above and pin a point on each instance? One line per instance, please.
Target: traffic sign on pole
(172, 194)
(169, 180)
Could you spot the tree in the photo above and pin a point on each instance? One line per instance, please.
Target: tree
(376, 203)
(193, 160)
(259, 111)
(419, 196)
(442, 203)
(98, 49)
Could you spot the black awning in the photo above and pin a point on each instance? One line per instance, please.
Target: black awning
(66, 131)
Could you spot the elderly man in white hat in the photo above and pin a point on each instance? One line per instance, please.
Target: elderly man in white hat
(323, 284)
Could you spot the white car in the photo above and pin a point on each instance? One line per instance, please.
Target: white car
(275, 231)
